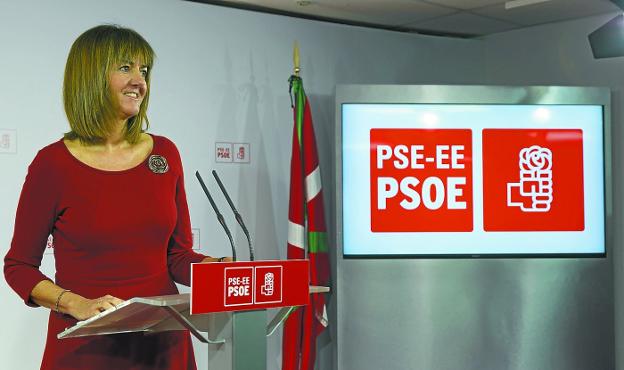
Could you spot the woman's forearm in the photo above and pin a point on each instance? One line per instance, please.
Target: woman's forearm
(52, 296)
(47, 294)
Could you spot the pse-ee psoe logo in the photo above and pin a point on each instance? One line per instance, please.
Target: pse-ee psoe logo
(252, 285)
(533, 180)
(421, 180)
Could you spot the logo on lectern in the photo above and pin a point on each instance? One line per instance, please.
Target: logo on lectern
(268, 284)
(239, 286)
(250, 285)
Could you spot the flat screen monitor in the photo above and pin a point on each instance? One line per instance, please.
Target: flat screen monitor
(471, 179)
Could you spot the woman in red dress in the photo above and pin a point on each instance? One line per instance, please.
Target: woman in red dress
(113, 199)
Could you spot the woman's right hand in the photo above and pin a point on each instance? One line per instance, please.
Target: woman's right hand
(82, 308)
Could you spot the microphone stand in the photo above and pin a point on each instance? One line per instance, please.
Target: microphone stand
(239, 219)
(219, 215)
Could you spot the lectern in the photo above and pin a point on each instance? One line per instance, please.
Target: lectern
(228, 302)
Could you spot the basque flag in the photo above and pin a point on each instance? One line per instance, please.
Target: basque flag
(306, 224)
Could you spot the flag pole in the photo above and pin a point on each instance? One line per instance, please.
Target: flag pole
(299, 106)
(296, 58)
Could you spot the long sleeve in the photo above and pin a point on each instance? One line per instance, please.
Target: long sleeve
(180, 254)
(34, 220)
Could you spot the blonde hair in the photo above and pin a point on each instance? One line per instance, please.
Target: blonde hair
(89, 104)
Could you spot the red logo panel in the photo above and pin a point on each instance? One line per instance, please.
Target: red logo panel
(238, 286)
(268, 284)
(533, 180)
(421, 180)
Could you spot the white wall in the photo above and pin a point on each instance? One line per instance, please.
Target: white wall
(560, 54)
(221, 75)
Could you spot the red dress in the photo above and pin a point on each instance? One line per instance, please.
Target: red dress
(124, 233)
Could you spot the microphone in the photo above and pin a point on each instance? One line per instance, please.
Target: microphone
(239, 219)
(219, 215)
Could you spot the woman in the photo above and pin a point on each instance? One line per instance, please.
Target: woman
(113, 199)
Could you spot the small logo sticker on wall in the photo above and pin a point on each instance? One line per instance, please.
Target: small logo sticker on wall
(8, 141)
(241, 153)
(196, 239)
(223, 152)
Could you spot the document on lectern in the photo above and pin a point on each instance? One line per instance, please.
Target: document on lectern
(134, 315)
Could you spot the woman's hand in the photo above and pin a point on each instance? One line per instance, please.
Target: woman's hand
(48, 294)
(82, 308)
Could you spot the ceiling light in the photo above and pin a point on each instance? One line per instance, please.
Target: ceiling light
(518, 3)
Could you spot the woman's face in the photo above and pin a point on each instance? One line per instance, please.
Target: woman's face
(128, 87)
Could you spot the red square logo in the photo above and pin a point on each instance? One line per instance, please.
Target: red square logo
(268, 284)
(421, 180)
(533, 180)
(238, 286)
